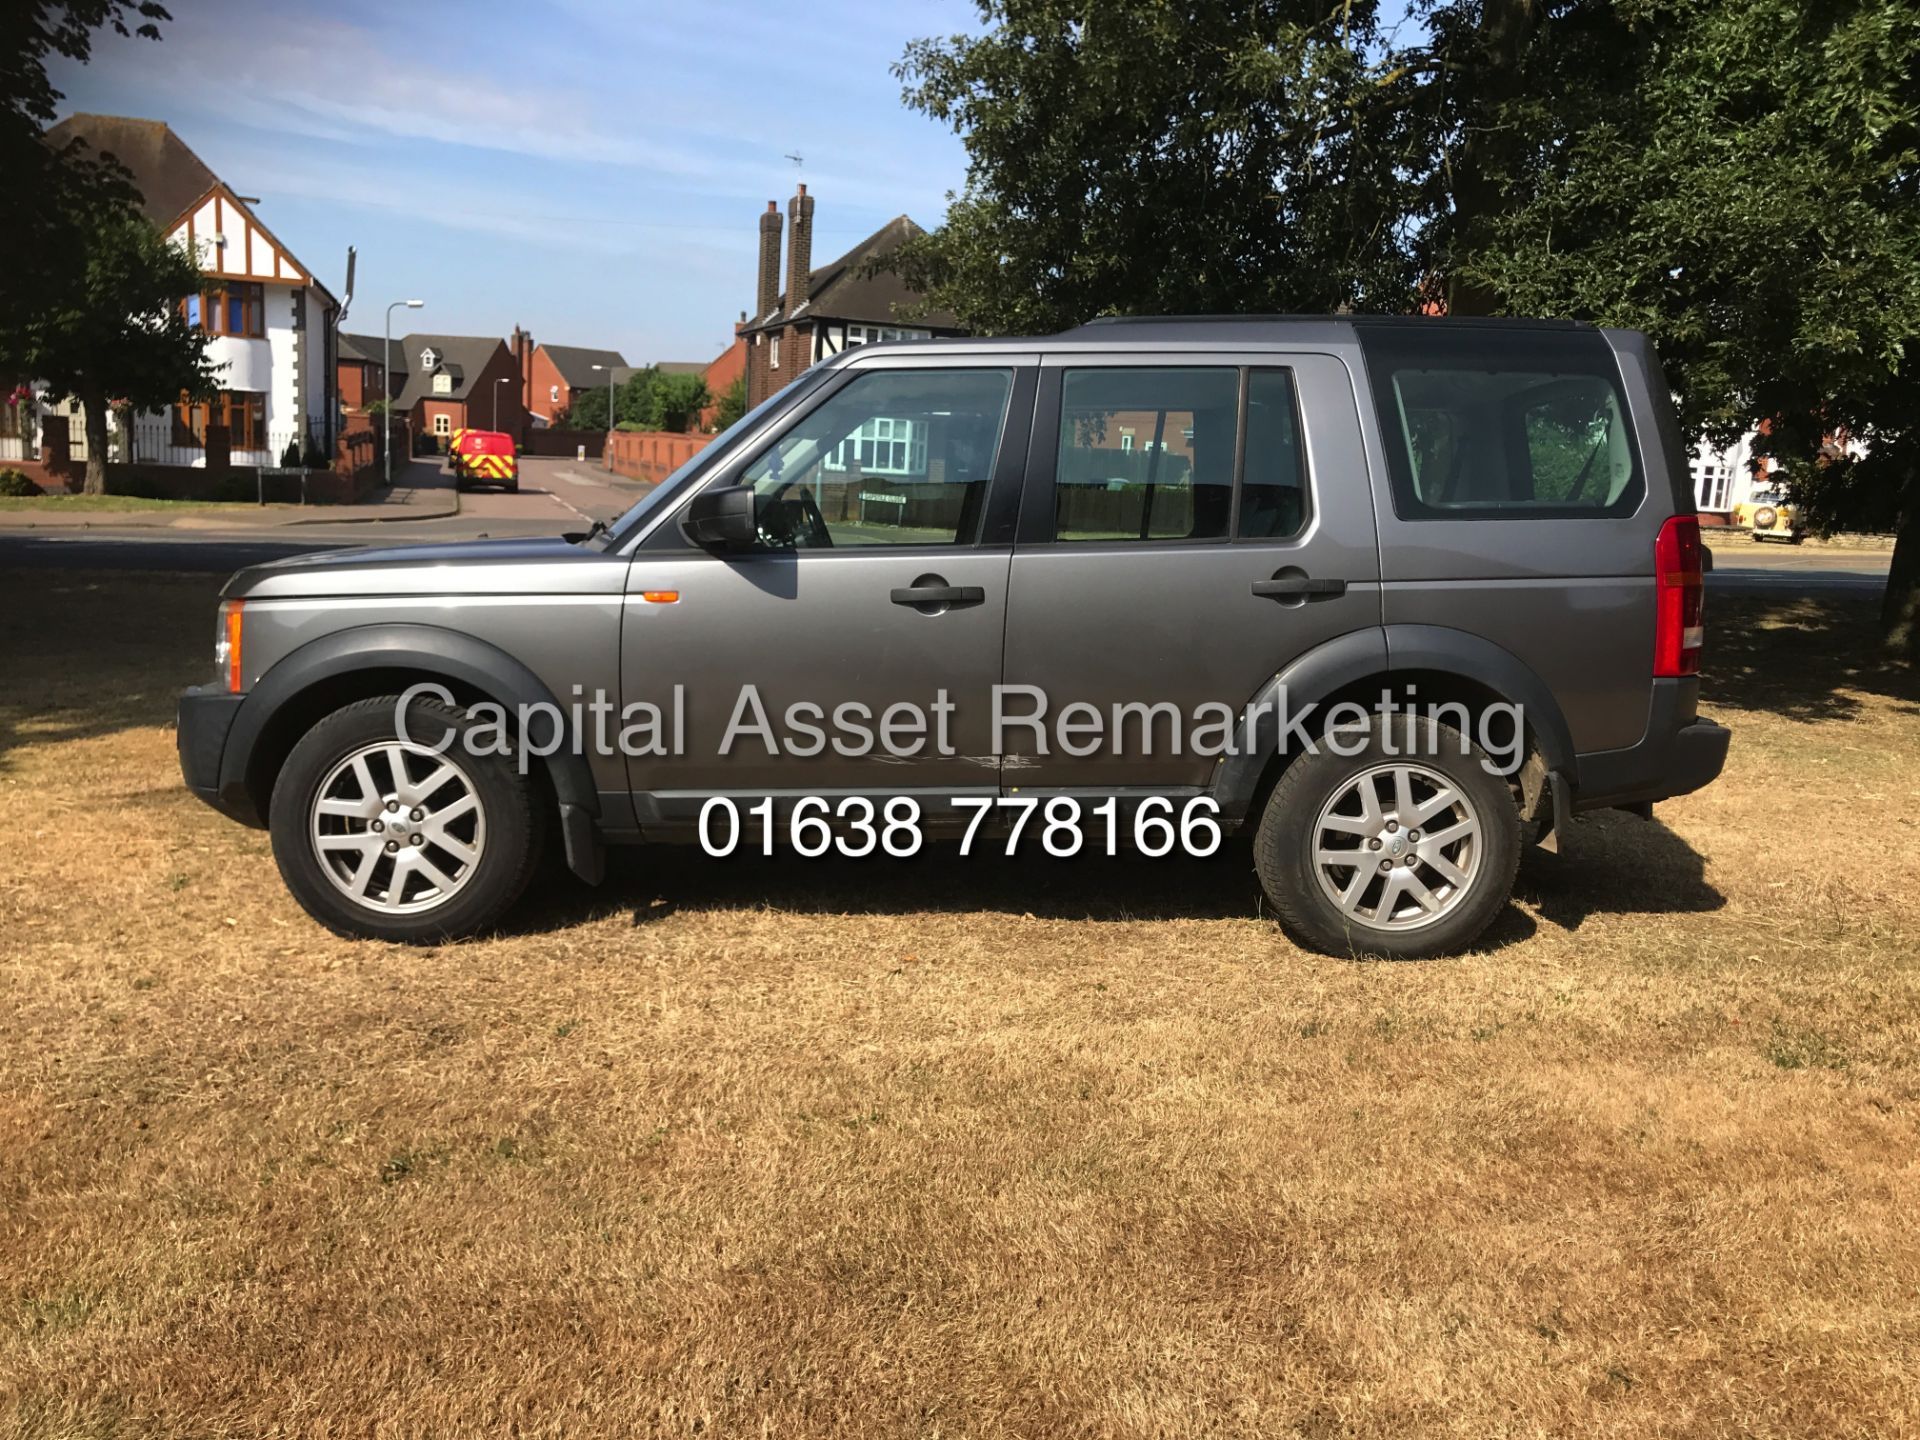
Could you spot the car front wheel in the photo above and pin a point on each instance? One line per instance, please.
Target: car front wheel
(1404, 847)
(415, 839)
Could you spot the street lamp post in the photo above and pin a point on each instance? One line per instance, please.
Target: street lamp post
(503, 380)
(387, 355)
(606, 446)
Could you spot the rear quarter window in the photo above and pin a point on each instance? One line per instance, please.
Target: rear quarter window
(1495, 424)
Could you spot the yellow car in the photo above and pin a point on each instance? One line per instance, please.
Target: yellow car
(1769, 515)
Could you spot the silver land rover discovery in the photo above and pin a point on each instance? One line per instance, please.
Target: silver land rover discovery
(1390, 596)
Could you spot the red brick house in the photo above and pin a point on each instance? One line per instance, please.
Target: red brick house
(444, 383)
(552, 375)
(362, 370)
(823, 311)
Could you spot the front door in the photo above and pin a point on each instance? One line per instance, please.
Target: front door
(1199, 523)
(855, 648)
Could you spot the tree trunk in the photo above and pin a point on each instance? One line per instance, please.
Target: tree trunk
(95, 405)
(1900, 608)
(1506, 27)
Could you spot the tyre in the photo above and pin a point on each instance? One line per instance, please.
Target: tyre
(1404, 848)
(384, 840)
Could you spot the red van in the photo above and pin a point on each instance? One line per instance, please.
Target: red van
(483, 457)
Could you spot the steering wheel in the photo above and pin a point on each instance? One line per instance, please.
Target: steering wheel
(821, 538)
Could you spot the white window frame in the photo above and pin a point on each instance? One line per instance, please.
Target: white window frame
(882, 446)
(442, 425)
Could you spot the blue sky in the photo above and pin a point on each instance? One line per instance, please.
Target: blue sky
(591, 169)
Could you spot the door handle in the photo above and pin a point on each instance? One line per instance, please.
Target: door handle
(939, 595)
(1299, 586)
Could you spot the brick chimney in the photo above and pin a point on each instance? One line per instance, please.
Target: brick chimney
(800, 250)
(523, 360)
(769, 261)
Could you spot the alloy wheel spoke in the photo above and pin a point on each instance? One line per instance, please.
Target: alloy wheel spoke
(1403, 806)
(435, 875)
(364, 808)
(423, 790)
(1347, 858)
(1437, 804)
(397, 766)
(360, 841)
(1422, 896)
(1434, 839)
(1375, 813)
(1356, 887)
(452, 811)
(370, 792)
(1390, 895)
(1443, 867)
(453, 845)
(363, 872)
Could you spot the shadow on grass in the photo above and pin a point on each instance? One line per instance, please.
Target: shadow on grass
(1612, 864)
(85, 653)
(1796, 656)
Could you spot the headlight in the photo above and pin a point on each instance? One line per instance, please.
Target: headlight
(226, 645)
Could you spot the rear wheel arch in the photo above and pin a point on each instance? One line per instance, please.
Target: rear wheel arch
(1421, 665)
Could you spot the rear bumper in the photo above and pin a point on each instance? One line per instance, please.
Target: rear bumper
(1679, 753)
(205, 720)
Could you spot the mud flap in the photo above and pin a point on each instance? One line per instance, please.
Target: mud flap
(586, 857)
(1560, 815)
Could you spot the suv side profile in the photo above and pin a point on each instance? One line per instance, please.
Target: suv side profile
(1393, 551)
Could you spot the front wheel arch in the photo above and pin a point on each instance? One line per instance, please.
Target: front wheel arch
(348, 665)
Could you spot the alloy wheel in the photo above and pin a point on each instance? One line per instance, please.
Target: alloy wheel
(397, 828)
(1397, 847)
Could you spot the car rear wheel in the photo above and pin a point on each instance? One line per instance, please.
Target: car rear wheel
(1404, 848)
(409, 840)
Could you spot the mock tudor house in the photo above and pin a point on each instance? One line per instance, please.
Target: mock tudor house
(822, 312)
(444, 383)
(552, 375)
(271, 321)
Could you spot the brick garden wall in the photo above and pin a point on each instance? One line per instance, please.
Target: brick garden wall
(651, 454)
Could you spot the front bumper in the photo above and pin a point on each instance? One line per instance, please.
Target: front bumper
(1680, 753)
(205, 720)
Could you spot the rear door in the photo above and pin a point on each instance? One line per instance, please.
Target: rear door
(1191, 524)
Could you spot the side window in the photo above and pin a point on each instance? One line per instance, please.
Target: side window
(1273, 484)
(1146, 454)
(1577, 451)
(898, 457)
(1504, 425)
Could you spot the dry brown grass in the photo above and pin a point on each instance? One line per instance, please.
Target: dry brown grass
(751, 1149)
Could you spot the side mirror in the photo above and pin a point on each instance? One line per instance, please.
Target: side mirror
(722, 518)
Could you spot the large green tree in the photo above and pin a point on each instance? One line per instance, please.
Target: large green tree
(48, 191)
(1185, 157)
(89, 289)
(118, 335)
(1736, 177)
(1741, 179)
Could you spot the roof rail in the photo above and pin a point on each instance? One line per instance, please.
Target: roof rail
(1495, 321)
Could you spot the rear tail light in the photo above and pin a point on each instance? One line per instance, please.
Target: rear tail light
(1679, 629)
(226, 646)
